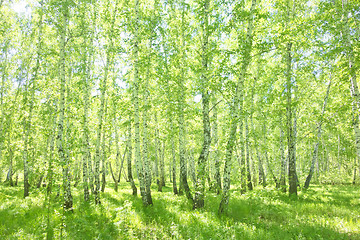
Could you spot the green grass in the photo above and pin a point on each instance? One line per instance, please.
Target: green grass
(322, 212)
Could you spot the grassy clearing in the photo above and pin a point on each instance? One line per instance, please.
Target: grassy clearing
(323, 212)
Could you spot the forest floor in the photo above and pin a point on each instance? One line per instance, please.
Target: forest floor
(322, 212)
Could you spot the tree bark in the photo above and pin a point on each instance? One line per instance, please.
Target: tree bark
(215, 141)
(234, 112)
(201, 171)
(85, 136)
(162, 166)
(3, 79)
(173, 165)
(352, 73)
(316, 147)
(27, 123)
(68, 201)
(103, 151)
(283, 162)
(181, 105)
(129, 160)
(242, 145)
(277, 184)
(248, 172)
(135, 88)
(290, 130)
(145, 156)
(157, 154)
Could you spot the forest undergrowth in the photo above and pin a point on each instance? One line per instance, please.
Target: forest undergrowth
(321, 212)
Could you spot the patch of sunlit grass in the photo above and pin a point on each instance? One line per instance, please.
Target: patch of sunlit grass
(321, 212)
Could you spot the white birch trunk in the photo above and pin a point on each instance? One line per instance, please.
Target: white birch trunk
(352, 73)
(316, 147)
(235, 113)
(201, 171)
(129, 160)
(60, 138)
(136, 87)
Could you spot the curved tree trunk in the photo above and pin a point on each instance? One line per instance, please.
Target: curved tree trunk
(316, 147)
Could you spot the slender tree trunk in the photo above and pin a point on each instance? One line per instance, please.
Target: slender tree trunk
(316, 147)
(117, 156)
(68, 202)
(352, 73)
(136, 87)
(10, 173)
(3, 78)
(242, 147)
(129, 160)
(283, 162)
(103, 152)
(173, 165)
(157, 155)
(100, 131)
(201, 171)
(170, 172)
(85, 136)
(262, 177)
(183, 167)
(51, 150)
(115, 179)
(277, 184)
(145, 156)
(27, 123)
(91, 171)
(290, 130)
(181, 105)
(192, 168)
(338, 156)
(248, 172)
(234, 112)
(49, 231)
(215, 141)
(355, 169)
(113, 174)
(122, 164)
(162, 166)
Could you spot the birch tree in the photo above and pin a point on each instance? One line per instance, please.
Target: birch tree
(316, 147)
(246, 58)
(64, 16)
(205, 98)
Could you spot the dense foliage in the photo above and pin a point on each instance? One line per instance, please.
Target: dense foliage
(206, 96)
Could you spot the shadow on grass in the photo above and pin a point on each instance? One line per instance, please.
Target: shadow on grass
(20, 218)
(261, 214)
